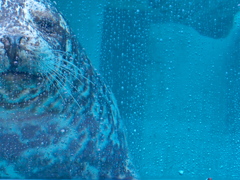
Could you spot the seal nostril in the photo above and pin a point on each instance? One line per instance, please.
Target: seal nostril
(12, 46)
(12, 40)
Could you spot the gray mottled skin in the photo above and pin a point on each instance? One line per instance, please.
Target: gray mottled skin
(57, 118)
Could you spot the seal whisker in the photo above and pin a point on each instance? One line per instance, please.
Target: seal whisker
(71, 64)
(67, 53)
(59, 81)
(64, 121)
(46, 79)
(57, 88)
(77, 68)
(63, 53)
(59, 74)
(75, 75)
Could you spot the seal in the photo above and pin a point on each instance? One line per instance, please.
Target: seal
(58, 118)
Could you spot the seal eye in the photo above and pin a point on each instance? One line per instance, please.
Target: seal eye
(46, 25)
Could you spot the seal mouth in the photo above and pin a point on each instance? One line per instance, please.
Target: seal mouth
(17, 84)
(18, 76)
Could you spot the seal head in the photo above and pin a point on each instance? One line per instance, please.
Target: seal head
(58, 119)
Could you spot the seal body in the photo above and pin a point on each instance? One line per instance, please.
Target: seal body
(58, 119)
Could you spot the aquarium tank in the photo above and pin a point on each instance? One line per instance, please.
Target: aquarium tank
(174, 69)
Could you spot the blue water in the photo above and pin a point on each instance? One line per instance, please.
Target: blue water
(174, 69)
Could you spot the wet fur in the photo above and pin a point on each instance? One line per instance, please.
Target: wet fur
(58, 119)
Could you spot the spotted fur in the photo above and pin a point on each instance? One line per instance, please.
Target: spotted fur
(58, 119)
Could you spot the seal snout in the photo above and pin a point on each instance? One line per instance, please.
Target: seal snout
(12, 47)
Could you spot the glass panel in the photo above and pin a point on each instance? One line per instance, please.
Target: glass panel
(173, 67)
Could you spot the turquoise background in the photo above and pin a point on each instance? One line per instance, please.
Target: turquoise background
(183, 117)
(85, 19)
